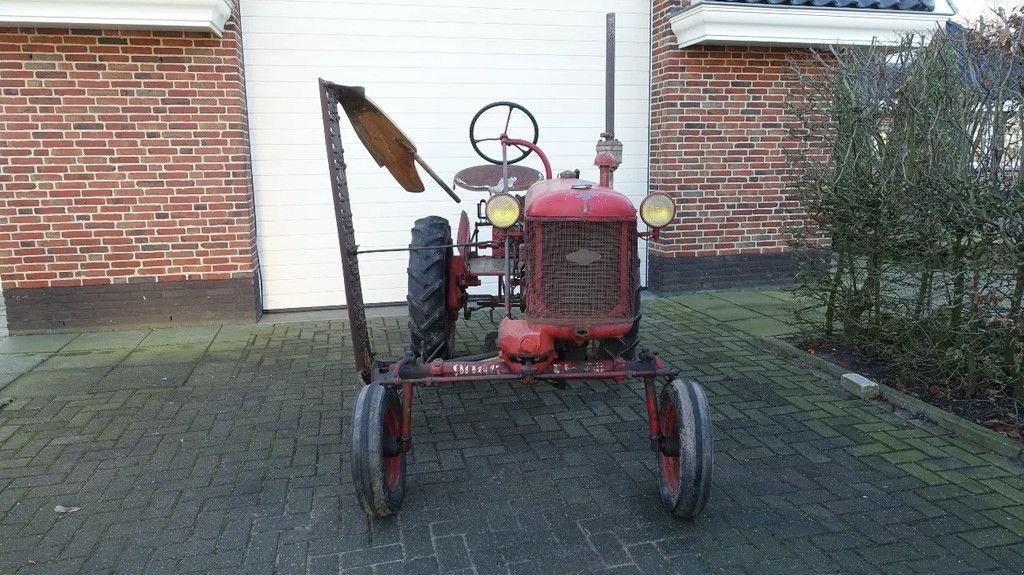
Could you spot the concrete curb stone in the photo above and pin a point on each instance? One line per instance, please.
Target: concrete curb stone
(859, 385)
(950, 422)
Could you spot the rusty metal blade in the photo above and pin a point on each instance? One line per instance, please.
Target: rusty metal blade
(387, 144)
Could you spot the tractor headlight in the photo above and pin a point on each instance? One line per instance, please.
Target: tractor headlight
(503, 211)
(657, 210)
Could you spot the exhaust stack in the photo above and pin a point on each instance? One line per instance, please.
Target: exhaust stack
(609, 80)
(609, 150)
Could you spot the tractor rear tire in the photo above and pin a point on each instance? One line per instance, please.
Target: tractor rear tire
(378, 462)
(687, 448)
(625, 346)
(431, 327)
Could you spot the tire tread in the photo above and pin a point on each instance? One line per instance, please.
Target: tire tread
(428, 282)
(693, 415)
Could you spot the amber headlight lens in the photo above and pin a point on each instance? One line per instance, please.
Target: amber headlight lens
(657, 210)
(502, 211)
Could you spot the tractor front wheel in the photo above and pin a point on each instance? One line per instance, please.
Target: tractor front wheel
(431, 327)
(687, 448)
(378, 460)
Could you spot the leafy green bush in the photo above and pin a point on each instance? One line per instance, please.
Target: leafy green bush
(910, 173)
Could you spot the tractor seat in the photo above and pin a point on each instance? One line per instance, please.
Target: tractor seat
(487, 178)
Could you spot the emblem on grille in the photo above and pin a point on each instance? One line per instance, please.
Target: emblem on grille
(583, 257)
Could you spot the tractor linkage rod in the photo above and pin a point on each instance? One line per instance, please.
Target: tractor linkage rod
(487, 244)
(430, 381)
(440, 372)
(406, 374)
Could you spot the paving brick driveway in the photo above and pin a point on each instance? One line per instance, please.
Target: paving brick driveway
(223, 450)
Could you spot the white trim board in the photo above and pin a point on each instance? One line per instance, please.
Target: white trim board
(193, 15)
(783, 25)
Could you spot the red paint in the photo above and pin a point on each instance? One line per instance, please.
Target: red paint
(517, 338)
(621, 318)
(392, 464)
(653, 427)
(524, 340)
(440, 371)
(557, 199)
(456, 275)
(540, 154)
(669, 463)
(498, 236)
(407, 414)
(462, 237)
(606, 164)
(616, 328)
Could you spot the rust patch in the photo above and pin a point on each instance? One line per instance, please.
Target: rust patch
(487, 178)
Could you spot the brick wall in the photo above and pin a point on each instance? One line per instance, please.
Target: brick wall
(718, 145)
(125, 161)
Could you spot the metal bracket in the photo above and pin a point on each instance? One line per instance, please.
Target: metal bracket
(405, 444)
(656, 443)
(667, 445)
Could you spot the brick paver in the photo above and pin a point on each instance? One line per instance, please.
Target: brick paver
(225, 451)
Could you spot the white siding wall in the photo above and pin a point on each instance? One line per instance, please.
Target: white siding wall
(429, 67)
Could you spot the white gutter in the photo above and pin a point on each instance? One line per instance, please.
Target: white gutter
(192, 15)
(709, 22)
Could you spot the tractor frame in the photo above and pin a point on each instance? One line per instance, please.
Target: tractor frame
(678, 426)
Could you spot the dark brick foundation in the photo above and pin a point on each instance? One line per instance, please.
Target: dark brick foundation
(147, 304)
(682, 274)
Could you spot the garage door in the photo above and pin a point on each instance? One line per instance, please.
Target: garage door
(430, 65)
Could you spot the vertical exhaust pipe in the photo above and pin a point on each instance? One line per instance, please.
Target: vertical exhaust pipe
(609, 150)
(609, 80)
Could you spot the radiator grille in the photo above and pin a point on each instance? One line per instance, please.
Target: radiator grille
(584, 272)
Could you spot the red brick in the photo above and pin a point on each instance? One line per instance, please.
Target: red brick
(93, 126)
(724, 107)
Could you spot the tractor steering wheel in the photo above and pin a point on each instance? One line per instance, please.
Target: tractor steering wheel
(512, 107)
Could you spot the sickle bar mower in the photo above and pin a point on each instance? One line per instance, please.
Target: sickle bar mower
(564, 255)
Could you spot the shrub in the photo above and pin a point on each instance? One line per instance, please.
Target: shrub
(909, 171)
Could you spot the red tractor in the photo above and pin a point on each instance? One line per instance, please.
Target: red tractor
(563, 260)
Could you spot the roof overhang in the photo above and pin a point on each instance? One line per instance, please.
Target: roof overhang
(709, 22)
(193, 15)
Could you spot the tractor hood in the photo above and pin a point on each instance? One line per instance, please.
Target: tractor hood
(569, 198)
